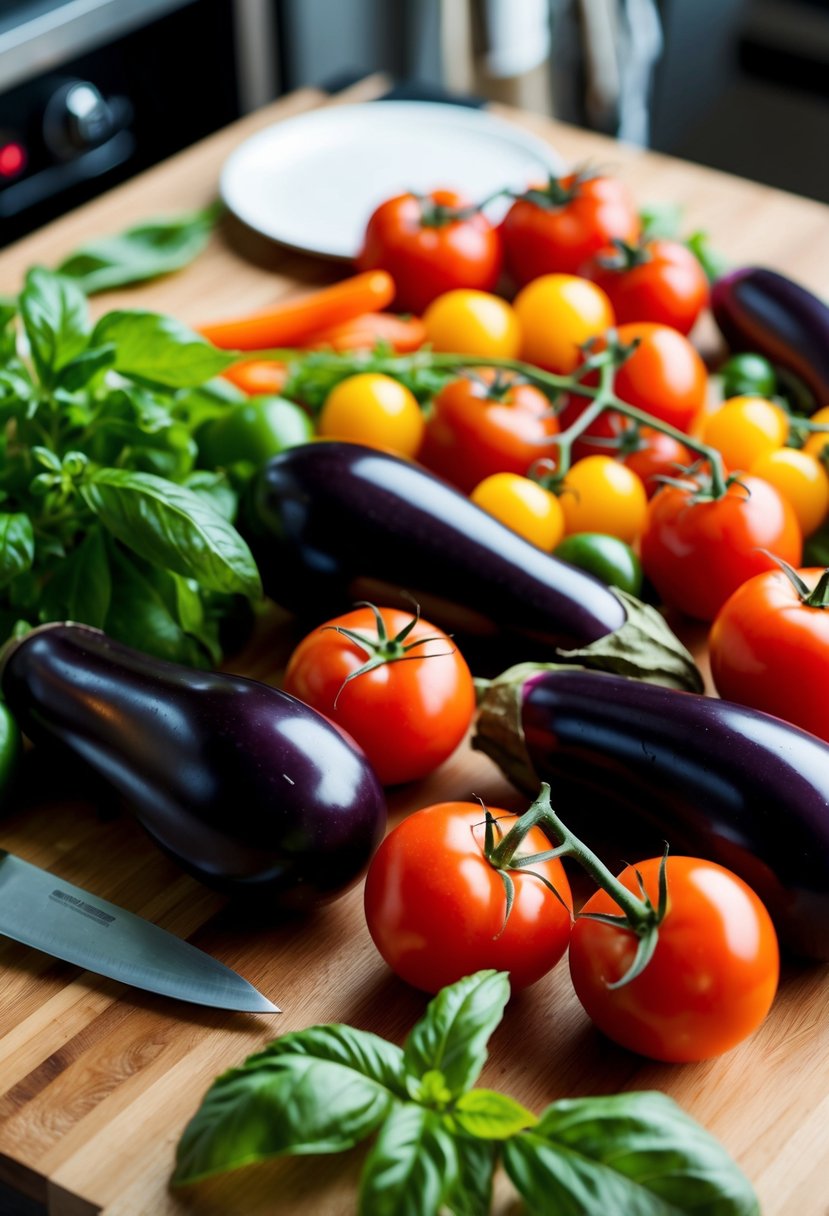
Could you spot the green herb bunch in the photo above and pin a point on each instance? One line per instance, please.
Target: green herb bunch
(439, 1139)
(104, 517)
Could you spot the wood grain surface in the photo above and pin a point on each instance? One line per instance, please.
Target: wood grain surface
(97, 1081)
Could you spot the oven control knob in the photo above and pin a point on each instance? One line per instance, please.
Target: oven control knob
(77, 117)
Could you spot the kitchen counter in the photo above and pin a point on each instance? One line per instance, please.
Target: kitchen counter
(97, 1080)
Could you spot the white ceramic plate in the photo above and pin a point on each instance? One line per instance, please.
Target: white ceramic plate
(311, 182)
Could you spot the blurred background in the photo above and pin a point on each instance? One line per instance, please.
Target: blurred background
(92, 91)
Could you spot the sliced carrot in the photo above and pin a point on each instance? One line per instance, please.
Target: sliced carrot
(402, 334)
(258, 376)
(289, 322)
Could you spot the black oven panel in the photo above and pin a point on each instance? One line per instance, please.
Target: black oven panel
(90, 122)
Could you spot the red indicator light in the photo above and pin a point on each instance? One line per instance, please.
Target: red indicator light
(12, 159)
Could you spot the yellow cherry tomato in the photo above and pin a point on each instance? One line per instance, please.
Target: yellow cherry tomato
(744, 428)
(800, 478)
(373, 409)
(818, 440)
(558, 313)
(467, 322)
(523, 505)
(601, 495)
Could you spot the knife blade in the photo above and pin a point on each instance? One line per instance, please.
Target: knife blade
(40, 910)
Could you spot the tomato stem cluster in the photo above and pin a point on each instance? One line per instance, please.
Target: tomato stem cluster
(638, 915)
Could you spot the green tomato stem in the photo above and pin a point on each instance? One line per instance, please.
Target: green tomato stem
(640, 914)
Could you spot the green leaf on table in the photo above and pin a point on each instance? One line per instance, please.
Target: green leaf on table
(320, 1090)
(412, 1165)
(637, 1153)
(159, 349)
(56, 320)
(172, 527)
(660, 220)
(17, 546)
(712, 262)
(488, 1115)
(451, 1037)
(145, 251)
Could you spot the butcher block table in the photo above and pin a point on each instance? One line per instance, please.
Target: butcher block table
(98, 1080)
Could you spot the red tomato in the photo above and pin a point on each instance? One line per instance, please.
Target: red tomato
(712, 977)
(408, 713)
(664, 376)
(697, 553)
(431, 244)
(657, 455)
(770, 649)
(435, 907)
(484, 423)
(659, 281)
(557, 227)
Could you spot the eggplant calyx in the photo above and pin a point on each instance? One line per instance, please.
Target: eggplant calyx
(644, 648)
(638, 914)
(381, 648)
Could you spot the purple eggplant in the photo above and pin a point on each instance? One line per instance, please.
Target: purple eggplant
(763, 311)
(714, 779)
(333, 523)
(249, 789)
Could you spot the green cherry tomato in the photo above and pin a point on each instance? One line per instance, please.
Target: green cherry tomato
(606, 557)
(748, 375)
(10, 748)
(252, 432)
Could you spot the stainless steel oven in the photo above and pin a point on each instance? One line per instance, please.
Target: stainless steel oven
(93, 91)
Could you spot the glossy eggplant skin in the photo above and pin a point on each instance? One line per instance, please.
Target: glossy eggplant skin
(247, 788)
(717, 779)
(763, 311)
(333, 523)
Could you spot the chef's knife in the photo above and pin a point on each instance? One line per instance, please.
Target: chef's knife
(43, 911)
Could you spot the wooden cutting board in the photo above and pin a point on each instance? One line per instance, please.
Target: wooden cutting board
(97, 1081)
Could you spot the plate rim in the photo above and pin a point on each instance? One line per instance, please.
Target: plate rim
(549, 156)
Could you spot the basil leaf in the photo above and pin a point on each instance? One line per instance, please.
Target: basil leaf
(712, 262)
(160, 349)
(172, 527)
(320, 1090)
(491, 1116)
(8, 335)
(660, 220)
(56, 320)
(637, 1153)
(17, 546)
(471, 1194)
(140, 615)
(86, 366)
(215, 489)
(143, 252)
(411, 1167)
(81, 588)
(451, 1038)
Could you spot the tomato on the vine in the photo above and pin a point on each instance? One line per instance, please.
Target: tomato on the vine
(802, 479)
(664, 376)
(558, 314)
(430, 244)
(397, 684)
(697, 550)
(470, 322)
(558, 226)
(659, 280)
(436, 908)
(712, 977)
(523, 505)
(656, 455)
(487, 421)
(599, 494)
(769, 647)
(745, 428)
(374, 409)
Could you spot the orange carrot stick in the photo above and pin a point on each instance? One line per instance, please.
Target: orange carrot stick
(289, 322)
(402, 334)
(257, 377)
